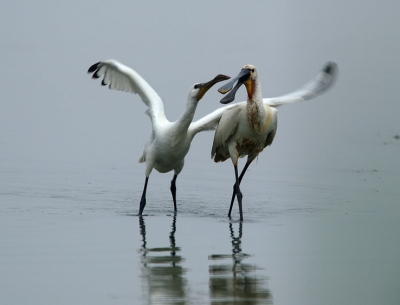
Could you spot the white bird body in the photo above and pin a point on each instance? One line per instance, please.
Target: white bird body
(245, 129)
(166, 148)
(250, 139)
(169, 141)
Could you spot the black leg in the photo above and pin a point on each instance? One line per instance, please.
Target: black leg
(173, 191)
(234, 186)
(143, 199)
(238, 193)
(142, 227)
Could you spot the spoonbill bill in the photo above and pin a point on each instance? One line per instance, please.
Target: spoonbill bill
(169, 141)
(246, 128)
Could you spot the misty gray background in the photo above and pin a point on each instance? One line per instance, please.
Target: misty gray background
(52, 112)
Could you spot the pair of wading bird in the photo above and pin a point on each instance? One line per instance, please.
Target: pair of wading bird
(242, 129)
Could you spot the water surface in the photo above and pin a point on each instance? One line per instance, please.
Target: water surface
(69, 236)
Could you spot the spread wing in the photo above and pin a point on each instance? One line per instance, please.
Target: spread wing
(210, 121)
(317, 86)
(120, 77)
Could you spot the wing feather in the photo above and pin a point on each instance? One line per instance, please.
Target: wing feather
(317, 86)
(122, 78)
(210, 121)
(228, 126)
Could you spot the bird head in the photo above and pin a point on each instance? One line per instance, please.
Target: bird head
(247, 76)
(198, 90)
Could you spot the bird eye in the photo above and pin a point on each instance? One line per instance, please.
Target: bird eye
(196, 86)
(252, 70)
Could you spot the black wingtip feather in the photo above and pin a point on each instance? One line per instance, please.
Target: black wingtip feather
(93, 67)
(103, 83)
(329, 68)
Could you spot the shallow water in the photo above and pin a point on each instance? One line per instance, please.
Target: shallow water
(69, 236)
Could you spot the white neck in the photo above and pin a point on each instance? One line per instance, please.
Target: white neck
(187, 116)
(257, 95)
(255, 110)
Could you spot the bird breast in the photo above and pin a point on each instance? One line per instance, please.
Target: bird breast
(259, 117)
(251, 138)
(246, 146)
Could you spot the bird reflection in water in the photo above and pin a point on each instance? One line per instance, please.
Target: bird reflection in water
(162, 274)
(236, 282)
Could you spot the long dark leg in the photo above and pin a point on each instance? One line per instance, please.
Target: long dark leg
(234, 186)
(173, 190)
(238, 193)
(143, 199)
(142, 228)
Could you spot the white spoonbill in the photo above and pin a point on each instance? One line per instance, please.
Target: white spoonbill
(169, 141)
(246, 128)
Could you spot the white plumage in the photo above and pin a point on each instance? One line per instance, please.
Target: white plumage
(245, 129)
(169, 141)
